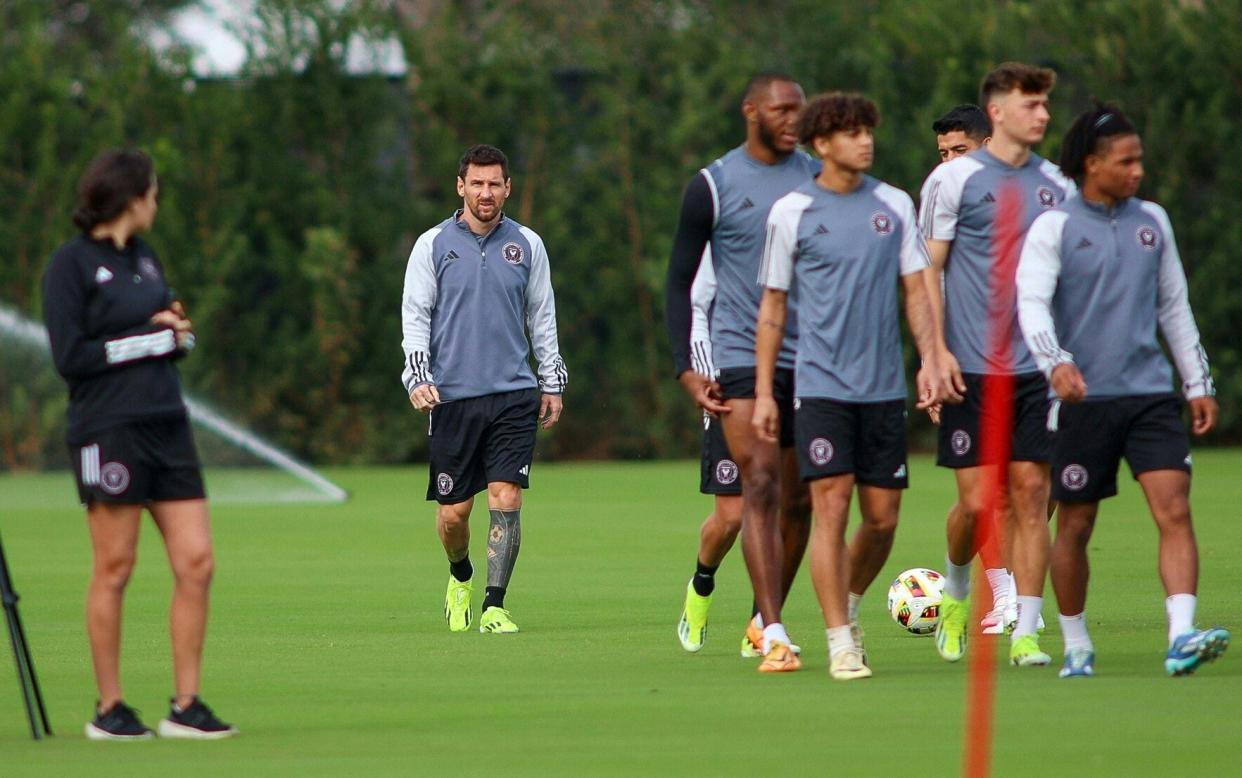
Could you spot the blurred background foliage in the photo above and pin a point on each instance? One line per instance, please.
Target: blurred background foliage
(293, 191)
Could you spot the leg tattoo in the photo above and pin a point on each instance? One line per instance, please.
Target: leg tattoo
(503, 542)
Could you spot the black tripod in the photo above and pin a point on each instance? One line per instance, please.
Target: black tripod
(21, 654)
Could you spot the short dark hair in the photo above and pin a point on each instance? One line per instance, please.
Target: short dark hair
(968, 118)
(762, 80)
(834, 112)
(113, 180)
(483, 155)
(1091, 133)
(1008, 76)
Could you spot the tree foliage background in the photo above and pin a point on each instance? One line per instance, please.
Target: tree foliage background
(292, 194)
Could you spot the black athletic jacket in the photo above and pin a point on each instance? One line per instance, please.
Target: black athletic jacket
(97, 304)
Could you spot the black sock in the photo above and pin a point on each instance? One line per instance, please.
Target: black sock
(494, 597)
(704, 580)
(462, 570)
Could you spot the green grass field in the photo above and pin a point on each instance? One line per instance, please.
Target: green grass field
(328, 646)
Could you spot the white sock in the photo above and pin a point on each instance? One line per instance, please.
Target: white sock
(773, 633)
(758, 621)
(1181, 610)
(855, 599)
(998, 579)
(1028, 615)
(1013, 591)
(1074, 630)
(839, 639)
(956, 580)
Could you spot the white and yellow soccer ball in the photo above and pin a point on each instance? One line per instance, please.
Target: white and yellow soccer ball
(914, 600)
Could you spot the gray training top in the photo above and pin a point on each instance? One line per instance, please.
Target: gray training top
(468, 304)
(743, 191)
(846, 252)
(959, 205)
(1102, 279)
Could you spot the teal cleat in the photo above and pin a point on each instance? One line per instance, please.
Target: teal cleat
(1191, 649)
(1079, 663)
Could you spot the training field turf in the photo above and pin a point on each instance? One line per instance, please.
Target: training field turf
(329, 649)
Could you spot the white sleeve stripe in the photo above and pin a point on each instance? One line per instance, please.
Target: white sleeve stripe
(711, 186)
(137, 347)
(929, 209)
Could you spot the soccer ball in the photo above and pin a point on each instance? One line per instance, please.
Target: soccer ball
(914, 600)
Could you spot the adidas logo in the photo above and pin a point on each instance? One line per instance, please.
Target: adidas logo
(747, 203)
(1083, 244)
(103, 275)
(821, 230)
(451, 256)
(987, 198)
(525, 470)
(900, 472)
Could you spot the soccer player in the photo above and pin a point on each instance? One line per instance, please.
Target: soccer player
(718, 477)
(116, 331)
(959, 220)
(726, 206)
(963, 129)
(845, 239)
(476, 284)
(1097, 275)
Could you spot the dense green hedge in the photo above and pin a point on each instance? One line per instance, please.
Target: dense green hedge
(292, 195)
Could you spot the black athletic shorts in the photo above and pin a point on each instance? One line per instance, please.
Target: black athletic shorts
(139, 462)
(960, 424)
(738, 383)
(1093, 436)
(479, 440)
(866, 439)
(719, 474)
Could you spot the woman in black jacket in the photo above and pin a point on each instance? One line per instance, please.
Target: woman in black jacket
(116, 331)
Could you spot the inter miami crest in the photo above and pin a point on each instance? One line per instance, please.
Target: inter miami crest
(821, 451)
(882, 223)
(1047, 197)
(444, 484)
(1147, 237)
(114, 478)
(960, 442)
(726, 472)
(512, 253)
(1074, 477)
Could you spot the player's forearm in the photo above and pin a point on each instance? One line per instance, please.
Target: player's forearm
(920, 314)
(769, 332)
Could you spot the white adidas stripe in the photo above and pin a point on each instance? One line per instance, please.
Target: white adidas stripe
(90, 465)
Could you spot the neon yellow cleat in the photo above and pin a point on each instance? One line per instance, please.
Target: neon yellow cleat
(457, 605)
(497, 621)
(1024, 652)
(951, 629)
(692, 627)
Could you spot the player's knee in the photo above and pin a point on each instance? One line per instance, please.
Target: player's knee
(762, 489)
(1029, 488)
(114, 571)
(453, 517)
(504, 496)
(195, 568)
(884, 524)
(970, 507)
(1173, 515)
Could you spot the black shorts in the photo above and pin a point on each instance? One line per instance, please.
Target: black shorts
(480, 440)
(719, 474)
(866, 439)
(1092, 437)
(960, 424)
(738, 383)
(138, 463)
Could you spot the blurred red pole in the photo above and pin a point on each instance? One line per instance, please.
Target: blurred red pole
(994, 448)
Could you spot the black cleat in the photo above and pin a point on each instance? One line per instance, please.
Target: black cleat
(120, 722)
(195, 722)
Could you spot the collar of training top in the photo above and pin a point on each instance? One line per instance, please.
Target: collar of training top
(461, 223)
